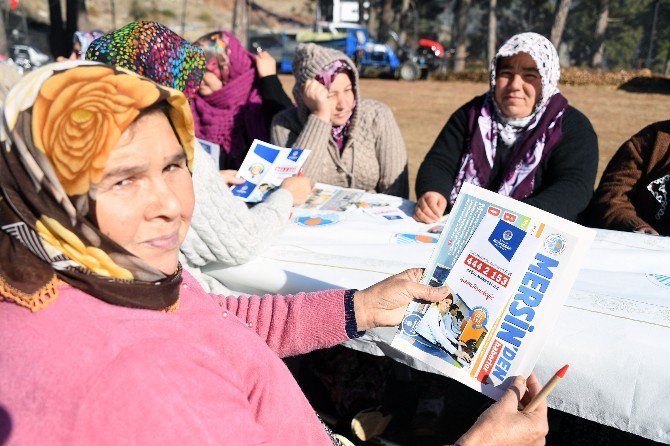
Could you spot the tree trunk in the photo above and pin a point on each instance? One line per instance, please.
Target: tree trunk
(3, 34)
(650, 50)
(460, 28)
(241, 21)
(373, 18)
(57, 38)
(560, 17)
(492, 38)
(599, 37)
(405, 21)
(112, 7)
(72, 22)
(386, 21)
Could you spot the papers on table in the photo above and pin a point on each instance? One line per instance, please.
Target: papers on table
(265, 167)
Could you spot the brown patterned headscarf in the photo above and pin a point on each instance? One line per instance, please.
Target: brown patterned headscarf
(59, 126)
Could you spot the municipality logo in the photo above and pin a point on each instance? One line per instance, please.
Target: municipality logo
(555, 244)
(506, 238)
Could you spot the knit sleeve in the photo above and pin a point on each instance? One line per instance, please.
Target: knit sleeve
(391, 153)
(293, 324)
(223, 229)
(611, 207)
(438, 170)
(314, 135)
(570, 174)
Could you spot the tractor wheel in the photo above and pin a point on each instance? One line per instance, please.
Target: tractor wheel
(409, 71)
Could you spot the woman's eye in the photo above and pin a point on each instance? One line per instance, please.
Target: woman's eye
(122, 183)
(173, 166)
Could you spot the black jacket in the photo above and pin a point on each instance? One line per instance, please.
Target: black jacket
(564, 181)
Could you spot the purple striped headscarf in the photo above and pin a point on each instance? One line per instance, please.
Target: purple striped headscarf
(532, 138)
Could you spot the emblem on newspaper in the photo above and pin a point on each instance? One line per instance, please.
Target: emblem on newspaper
(506, 238)
(555, 244)
(409, 324)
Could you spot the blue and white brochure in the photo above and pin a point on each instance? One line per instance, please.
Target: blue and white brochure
(510, 267)
(265, 167)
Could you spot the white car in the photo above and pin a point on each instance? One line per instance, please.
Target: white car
(27, 57)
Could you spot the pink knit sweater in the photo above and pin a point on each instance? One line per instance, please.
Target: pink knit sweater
(84, 372)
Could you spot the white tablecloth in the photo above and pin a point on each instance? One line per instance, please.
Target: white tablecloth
(614, 330)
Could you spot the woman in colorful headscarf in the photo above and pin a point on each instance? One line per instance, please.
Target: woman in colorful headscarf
(521, 139)
(105, 338)
(355, 143)
(223, 230)
(239, 95)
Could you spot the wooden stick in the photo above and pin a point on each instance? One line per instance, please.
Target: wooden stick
(553, 382)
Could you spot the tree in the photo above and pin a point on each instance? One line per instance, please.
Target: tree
(560, 17)
(599, 36)
(3, 33)
(386, 21)
(491, 37)
(241, 21)
(460, 40)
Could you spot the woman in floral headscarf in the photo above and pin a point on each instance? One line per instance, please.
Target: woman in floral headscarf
(239, 94)
(520, 139)
(105, 338)
(80, 42)
(224, 232)
(355, 143)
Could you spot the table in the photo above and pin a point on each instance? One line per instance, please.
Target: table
(614, 329)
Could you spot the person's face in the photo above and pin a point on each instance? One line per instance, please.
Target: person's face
(145, 199)
(444, 305)
(518, 85)
(341, 97)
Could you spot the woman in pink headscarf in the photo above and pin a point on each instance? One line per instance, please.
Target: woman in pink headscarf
(239, 95)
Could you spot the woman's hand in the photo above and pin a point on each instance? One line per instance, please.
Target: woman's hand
(315, 96)
(300, 188)
(646, 230)
(210, 84)
(230, 178)
(384, 304)
(266, 65)
(430, 207)
(503, 424)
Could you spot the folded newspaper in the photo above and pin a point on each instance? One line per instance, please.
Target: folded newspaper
(265, 167)
(510, 267)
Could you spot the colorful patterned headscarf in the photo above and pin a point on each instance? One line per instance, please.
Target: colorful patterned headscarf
(532, 137)
(326, 77)
(154, 51)
(60, 125)
(84, 40)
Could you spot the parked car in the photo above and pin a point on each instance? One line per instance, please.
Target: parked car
(27, 57)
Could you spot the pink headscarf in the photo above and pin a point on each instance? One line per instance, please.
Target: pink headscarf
(232, 116)
(326, 77)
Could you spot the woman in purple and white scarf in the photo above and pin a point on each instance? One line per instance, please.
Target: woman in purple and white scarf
(520, 139)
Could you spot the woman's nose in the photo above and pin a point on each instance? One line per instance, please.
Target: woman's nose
(162, 201)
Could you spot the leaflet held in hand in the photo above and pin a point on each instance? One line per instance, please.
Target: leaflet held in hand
(510, 267)
(265, 167)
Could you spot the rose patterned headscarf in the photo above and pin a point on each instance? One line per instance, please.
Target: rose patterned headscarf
(326, 77)
(532, 138)
(154, 51)
(60, 124)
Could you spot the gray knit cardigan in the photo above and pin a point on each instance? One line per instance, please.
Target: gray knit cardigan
(224, 232)
(374, 157)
